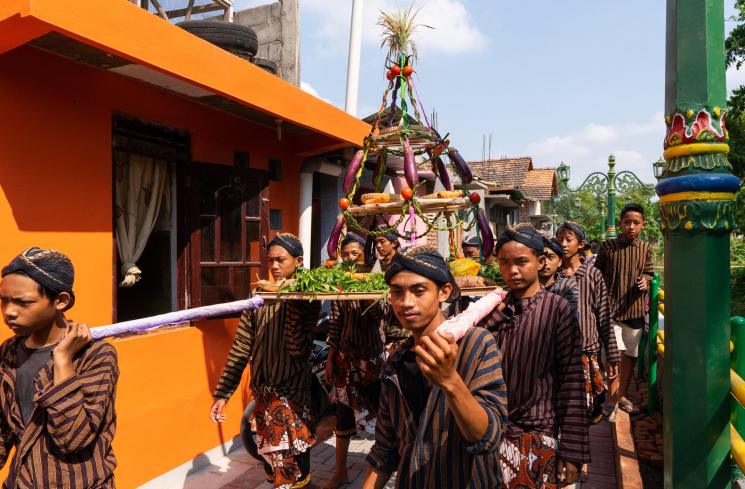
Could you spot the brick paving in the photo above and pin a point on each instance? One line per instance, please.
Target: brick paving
(238, 470)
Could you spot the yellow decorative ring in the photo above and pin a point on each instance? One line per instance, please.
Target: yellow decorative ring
(678, 196)
(694, 149)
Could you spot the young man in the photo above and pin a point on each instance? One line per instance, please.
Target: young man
(547, 435)
(626, 265)
(594, 316)
(355, 362)
(276, 339)
(385, 246)
(443, 403)
(471, 247)
(58, 386)
(565, 287)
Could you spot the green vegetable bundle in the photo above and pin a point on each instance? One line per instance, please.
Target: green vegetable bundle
(490, 270)
(336, 280)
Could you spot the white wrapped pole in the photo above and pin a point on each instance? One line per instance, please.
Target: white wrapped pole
(476, 311)
(176, 317)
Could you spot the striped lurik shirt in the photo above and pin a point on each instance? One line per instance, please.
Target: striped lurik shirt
(622, 262)
(430, 452)
(277, 339)
(567, 288)
(355, 334)
(540, 345)
(594, 313)
(67, 442)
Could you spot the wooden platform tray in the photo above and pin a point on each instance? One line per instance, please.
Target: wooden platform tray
(355, 296)
(427, 205)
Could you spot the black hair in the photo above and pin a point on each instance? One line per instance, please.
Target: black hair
(632, 207)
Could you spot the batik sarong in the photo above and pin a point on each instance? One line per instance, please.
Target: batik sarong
(594, 381)
(283, 431)
(528, 461)
(352, 376)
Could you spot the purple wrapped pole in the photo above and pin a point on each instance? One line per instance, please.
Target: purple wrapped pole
(153, 322)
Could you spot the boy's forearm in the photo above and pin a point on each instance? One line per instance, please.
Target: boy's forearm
(470, 416)
(375, 479)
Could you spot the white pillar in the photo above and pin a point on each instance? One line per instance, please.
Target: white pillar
(353, 61)
(305, 228)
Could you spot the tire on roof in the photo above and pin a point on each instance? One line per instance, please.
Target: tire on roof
(269, 66)
(235, 38)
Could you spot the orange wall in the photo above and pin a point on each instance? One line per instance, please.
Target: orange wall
(56, 191)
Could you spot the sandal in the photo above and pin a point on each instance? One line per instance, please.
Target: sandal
(628, 406)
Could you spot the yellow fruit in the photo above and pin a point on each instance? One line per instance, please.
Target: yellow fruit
(464, 266)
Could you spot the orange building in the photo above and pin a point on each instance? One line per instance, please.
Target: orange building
(87, 91)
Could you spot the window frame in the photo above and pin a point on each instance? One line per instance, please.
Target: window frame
(190, 232)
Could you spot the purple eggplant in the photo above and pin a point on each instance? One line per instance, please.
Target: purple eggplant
(354, 167)
(460, 166)
(442, 172)
(410, 171)
(379, 170)
(332, 247)
(487, 238)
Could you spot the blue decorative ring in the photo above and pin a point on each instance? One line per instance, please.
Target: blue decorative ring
(700, 182)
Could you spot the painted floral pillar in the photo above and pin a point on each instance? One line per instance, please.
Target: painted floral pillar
(697, 215)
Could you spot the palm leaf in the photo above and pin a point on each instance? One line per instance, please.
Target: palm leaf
(398, 31)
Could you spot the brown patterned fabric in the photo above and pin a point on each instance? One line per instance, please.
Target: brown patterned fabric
(594, 312)
(283, 431)
(594, 381)
(540, 344)
(352, 377)
(277, 340)
(528, 461)
(621, 263)
(67, 442)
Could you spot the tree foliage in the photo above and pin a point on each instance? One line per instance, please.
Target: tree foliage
(588, 211)
(735, 53)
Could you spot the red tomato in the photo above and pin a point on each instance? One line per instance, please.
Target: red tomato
(330, 263)
(407, 193)
(344, 203)
(408, 70)
(395, 70)
(474, 198)
(389, 75)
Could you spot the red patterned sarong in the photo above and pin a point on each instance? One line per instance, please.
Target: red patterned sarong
(528, 461)
(594, 381)
(351, 376)
(283, 430)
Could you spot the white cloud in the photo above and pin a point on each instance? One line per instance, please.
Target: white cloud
(307, 87)
(599, 134)
(635, 145)
(453, 30)
(735, 78)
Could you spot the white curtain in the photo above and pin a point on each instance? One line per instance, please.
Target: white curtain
(142, 185)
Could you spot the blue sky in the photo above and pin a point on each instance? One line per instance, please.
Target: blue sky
(568, 81)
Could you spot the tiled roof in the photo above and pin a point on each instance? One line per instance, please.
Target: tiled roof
(540, 184)
(503, 172)
(535, 184)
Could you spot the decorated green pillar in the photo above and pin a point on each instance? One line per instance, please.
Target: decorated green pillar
(611, 197)
(697, 213)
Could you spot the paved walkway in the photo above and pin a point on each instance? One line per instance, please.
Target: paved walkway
(238, 470)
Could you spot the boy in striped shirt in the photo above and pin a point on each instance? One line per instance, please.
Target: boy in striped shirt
(546, 437)
(276, 339)
(355, 361)
(626, 265)
(594, 317)
(443, 403)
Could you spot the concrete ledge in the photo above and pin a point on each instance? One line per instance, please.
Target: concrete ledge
(627, 463)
